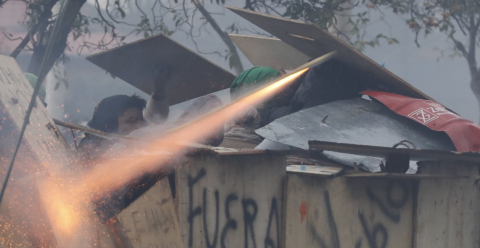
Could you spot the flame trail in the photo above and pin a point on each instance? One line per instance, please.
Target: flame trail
(120, 171)
(114, 173)
(67, 197)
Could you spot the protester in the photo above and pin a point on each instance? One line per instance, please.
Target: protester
(324, 83)
(119, 114)
(198, 108)
(122, 114)
(240, 132)
(328, 82)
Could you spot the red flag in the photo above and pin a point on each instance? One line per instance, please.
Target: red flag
(464, 133)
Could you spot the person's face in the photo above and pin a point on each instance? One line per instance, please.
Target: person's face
(129, 121)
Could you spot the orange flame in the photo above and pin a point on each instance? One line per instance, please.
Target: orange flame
(114, 173)
(119, 171)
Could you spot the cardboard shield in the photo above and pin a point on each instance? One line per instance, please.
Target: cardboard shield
(269, 52)
(315, 42)
(191, 75)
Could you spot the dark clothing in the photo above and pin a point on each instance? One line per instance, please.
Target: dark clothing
(332, 81)
(91, 147)
(328, 82)
(114, 202)
(105, 118)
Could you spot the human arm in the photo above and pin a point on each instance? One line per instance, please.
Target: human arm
(157, 109)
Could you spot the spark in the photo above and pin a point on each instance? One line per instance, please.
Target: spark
(68, 202)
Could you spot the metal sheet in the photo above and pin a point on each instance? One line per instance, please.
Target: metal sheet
(378, 151)
(314, 42)
(269, 52)
(355, 121)
(191, 75)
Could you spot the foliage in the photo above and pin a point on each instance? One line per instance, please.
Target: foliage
(326, 14)
(453, 17)
(110, 16)
(458, 20)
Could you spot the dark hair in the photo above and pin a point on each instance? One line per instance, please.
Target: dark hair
(107, 111)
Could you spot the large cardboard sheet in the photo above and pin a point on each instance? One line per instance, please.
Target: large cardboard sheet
(191, 75)
(315, 42)
(41, 136)
(270, 52)
(231, 200)
(151, 221)
(339, 212)
(23, 219)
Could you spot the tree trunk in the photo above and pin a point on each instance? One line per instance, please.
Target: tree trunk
(72, 9)
(236, 63)
(475, 86)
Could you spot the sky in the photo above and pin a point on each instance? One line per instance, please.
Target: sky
(446, 80)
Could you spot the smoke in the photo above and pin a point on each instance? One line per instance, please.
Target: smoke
(68, 197)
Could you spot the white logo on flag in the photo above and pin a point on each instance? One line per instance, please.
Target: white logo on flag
(423, 116)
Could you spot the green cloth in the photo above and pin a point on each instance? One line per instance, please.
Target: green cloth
(252, 78)
(42, 93)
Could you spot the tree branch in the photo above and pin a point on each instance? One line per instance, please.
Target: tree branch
(236, 63)
(472, 45)
(459, 24)
(46, 14)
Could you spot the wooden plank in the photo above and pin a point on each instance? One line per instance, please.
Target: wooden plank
(336, 212)
(269, 52)
(41, 137)
(401, 176)
(191, 75)
(314, 42)
(151, 221)
(231, 201)
(382, 152)
(313, 169)
(447, 214)
(43, 149)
